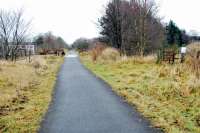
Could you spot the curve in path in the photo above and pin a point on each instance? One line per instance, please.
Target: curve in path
(82, 103)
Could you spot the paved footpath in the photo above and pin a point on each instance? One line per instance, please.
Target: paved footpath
(83, 103)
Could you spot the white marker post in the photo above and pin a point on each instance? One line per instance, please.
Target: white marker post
(183, 50)
(183, 53)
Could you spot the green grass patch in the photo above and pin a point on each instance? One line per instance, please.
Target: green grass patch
(168, 95)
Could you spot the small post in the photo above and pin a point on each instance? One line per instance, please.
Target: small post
(29, 56)
(198, 55)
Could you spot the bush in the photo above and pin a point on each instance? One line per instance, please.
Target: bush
(110, 54)
(97, 51)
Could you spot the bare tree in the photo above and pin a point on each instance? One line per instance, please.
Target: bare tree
(13, 31)
(147, 13)
(6, 27)
(132, 26)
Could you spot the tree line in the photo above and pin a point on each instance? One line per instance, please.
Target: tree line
(49, 41)
(134, 27)
(15, 31)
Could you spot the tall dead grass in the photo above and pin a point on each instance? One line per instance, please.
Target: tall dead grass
(139, 59)
(110, 54)
(104, 54)
(97, 51)
(192, 59)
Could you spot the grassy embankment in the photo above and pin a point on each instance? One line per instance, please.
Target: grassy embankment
(25, 92)
(168, 95)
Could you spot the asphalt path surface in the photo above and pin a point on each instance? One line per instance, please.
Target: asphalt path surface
(83, 103)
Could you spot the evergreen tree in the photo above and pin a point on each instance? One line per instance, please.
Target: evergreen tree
(171, 33)
(110, 24)
(175, 36)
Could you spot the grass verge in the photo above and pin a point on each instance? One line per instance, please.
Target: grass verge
(25, 92)
(168, 95)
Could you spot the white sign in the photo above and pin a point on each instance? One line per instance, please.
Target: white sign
(183, 50)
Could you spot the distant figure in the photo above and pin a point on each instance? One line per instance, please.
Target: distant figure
(63, 53)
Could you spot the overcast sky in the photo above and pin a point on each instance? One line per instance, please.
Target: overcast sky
(72, 19)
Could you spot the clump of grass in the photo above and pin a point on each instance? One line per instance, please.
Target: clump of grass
(97, 51)
(110, 54)
(194, 65)
(193, 48)
(25, 94)
(193, 59)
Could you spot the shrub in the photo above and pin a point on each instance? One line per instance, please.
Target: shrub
(110, 54)
(97, 51)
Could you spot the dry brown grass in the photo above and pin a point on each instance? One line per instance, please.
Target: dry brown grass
(191, 60)
(110, 54)
(25, 92)
(97, 51)
(139, 59)
(194, 65)
(193, 48)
